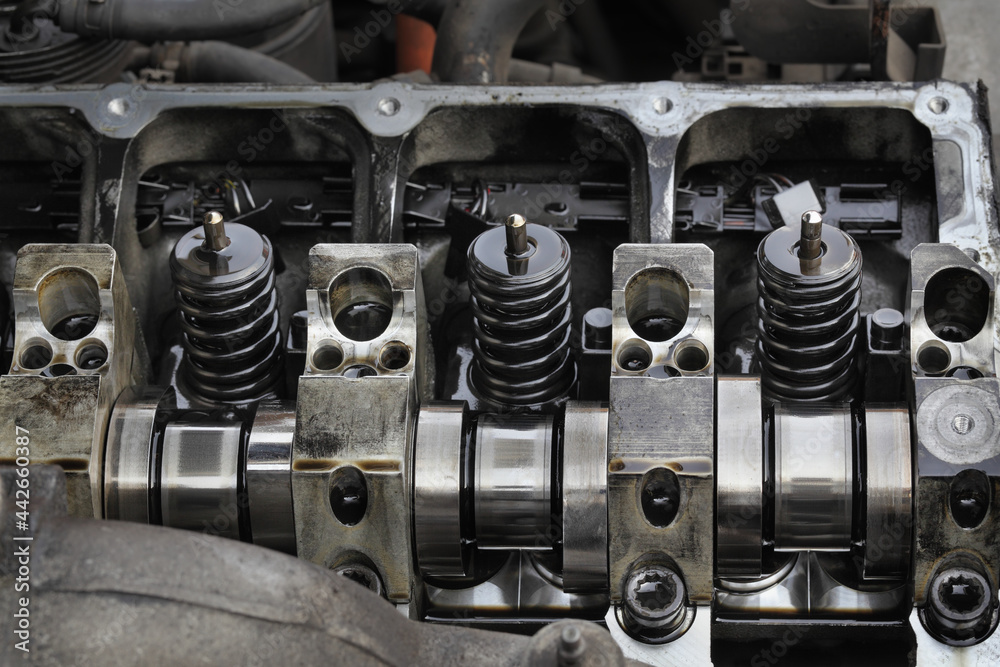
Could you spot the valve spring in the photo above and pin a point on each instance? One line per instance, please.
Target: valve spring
(224, 286)
(521, 314)
(807, 307)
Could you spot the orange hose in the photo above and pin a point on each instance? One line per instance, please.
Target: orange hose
(414, 44)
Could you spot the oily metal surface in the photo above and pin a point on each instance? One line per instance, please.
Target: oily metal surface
(813, 478)
(937, 535)
(360, 424)
(437, 489)
(199, 476)
(67, 416)
(978, 352)
(585, 497)
(128, 467)
(333, 433)
(643, 436)
(513, 481)
(269, 476)
(740, 481)
(889, 502)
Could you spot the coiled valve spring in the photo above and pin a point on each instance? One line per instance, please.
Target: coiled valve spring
(519, 276)
(224, 286)
(809, 288)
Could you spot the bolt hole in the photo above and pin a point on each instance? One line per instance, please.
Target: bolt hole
(692, 356)
(394, 356)
(119, 106)
(933, 358)
(962, 424)
(656, 304)
(327, 356)
(634, 356)
(956, 304)
(36, 355)
(557, 208)
(937, 105)
(69, 303)
(969, 498)
(660, 496)
(662, 105)
(349, 495)
(388, 106)
(663, 372)
(361, 303)
(146, 219)
(964, 373)
(92, 355)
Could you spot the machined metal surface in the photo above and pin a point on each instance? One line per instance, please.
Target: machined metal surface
(513, 487)
(520, 588)
(889, 513)
(952, 333)
(437, 489)
(941, 404)
(200, 477)
(585, 498)
(807, 586)
(959, 423)
(72, 310)
(333, 435)
(740, 477)
(128, 462)
(813, 478)
(91, 576)
(684, 451)
(952, 304)
(269, 476)
(644, 437)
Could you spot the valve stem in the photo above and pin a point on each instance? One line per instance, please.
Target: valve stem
(810, 242)
(215, 232)
(517, 235)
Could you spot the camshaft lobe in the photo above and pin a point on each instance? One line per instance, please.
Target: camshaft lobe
(809, 294)
(521, 314)
(225, 291)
